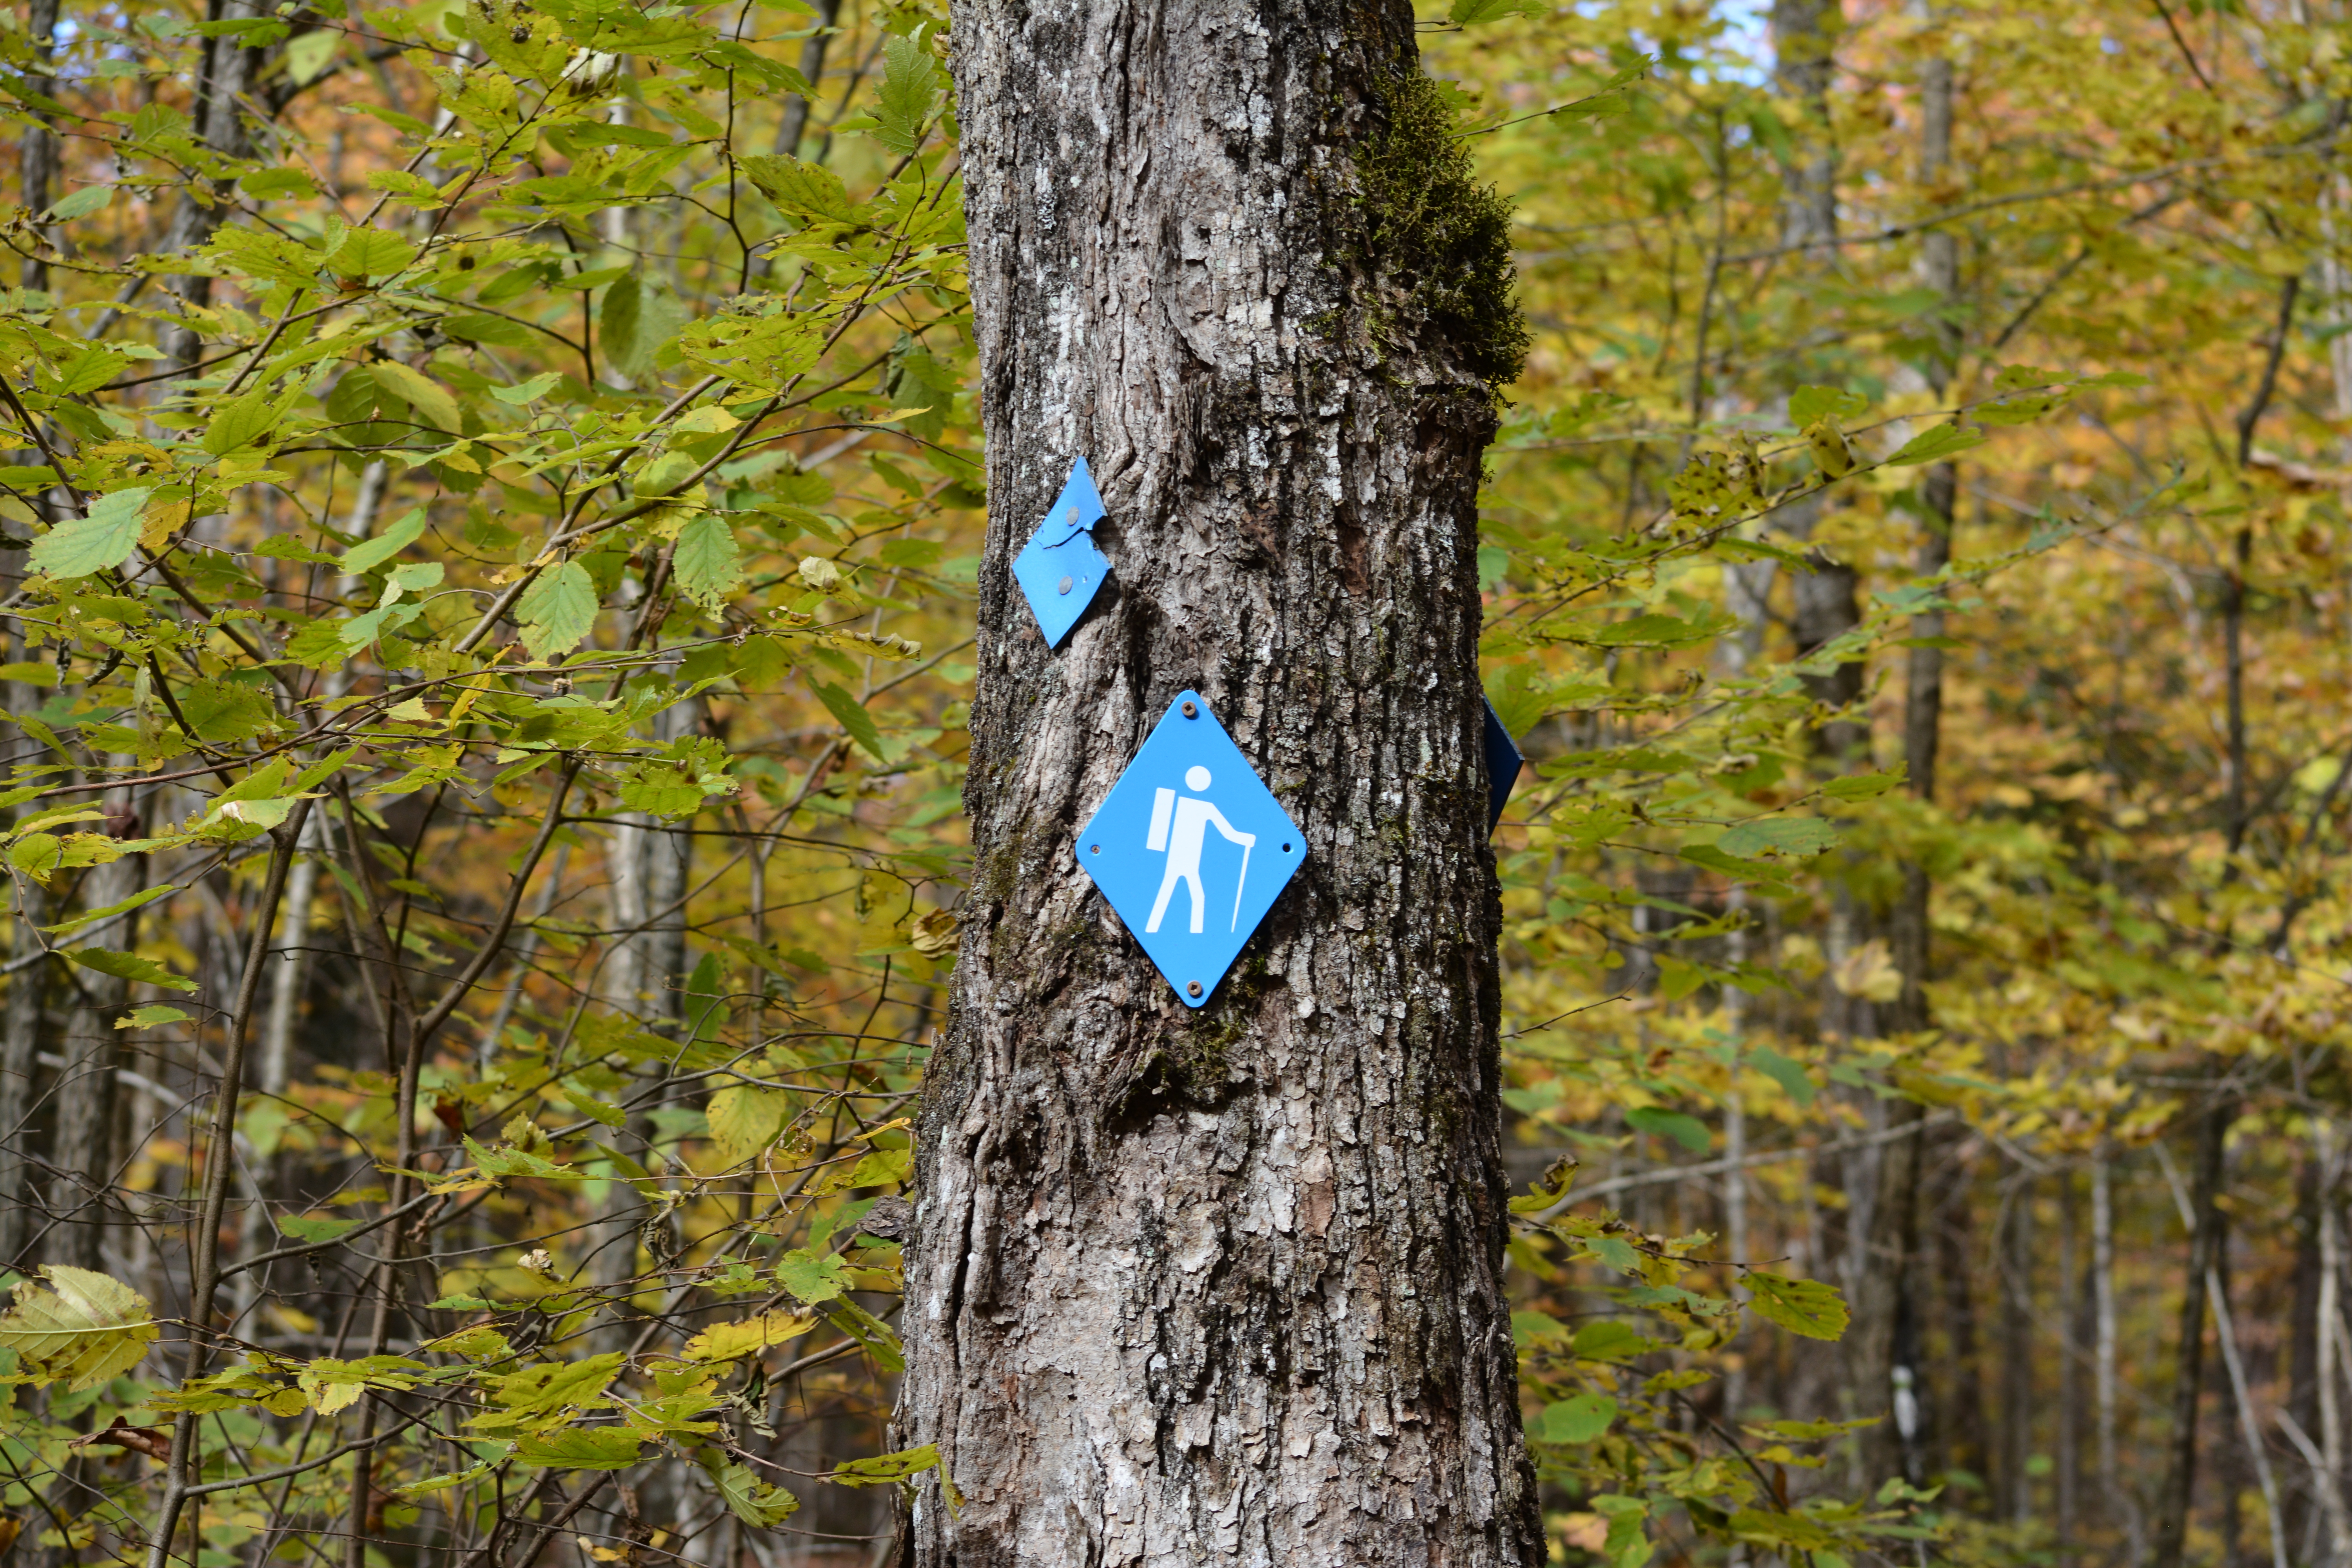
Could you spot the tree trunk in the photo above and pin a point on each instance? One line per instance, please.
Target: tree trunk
(83, 1191)
(1226, 1286)
(2070, 1365)
(2120, 1506)
(2018, 1389)
(36, 150)
(2330, 1329)
(2188, 1377)
(792, 123)
(648, 865)
(2303, 1335)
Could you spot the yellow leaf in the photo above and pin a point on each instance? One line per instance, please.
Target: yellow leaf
(85, 1327)
(1868, 973)
(747, 1117)
(732, 1342)
(163, 519)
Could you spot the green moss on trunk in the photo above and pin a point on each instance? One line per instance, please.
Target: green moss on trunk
(1436, 243)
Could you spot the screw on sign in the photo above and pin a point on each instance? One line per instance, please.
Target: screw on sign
(1191, 848)
(1060, 570)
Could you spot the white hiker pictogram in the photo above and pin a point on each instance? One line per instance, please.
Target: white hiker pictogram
(1180, 826)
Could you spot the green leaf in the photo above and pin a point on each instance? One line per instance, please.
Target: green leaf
(434, 402)
(910, 94)
(91, 916)
(530, 390)
(1610, 1339)
(308, 54)
(884, 1469)
(81, 545)
(748, 1497)
(636, 319)
(558, 610)
(1794, 836)
(799, 190)
(551, 1387)
(89, 370)
(1788, 1074)
(496, 331)
(307, 1230)
(746, 1118)
(402, 187)
(1470, 13)
(368, 555)
(854, 718)
(1579, 1419)
(152, 1015)
(373, 253)
(1804, 1306)
(709, 566)
(83, 1330)
(810, 1279)
(1686, 1131)
(1616, 1252)
(580, 1448)
(1934, 444)
(1807, 404)
(225, 710)
(129, 966)
(81, 203)
(1865, 786)
(242, 423)
(661, 788)
(277, 185)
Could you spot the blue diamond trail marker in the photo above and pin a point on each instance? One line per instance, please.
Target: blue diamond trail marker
(1059, 570)
(1191, 848)
(1502, 764)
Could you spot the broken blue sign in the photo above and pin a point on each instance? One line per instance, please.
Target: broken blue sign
(1059, 570)
(1502, 764)
(1191, 848)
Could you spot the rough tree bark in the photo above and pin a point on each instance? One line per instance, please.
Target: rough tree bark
(1227, 1286)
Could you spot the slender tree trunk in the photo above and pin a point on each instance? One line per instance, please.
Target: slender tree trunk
(1960, 1433)
(2070, 1367)
(21, 1021)
(2304, 1346)
(648, 865)
(792, 124)
(2171, 1532)
(2330, 1337)
(82, 1191)
(1896, 1209)
(29, 986)
(1735, 1150)
(2121, 1507)
(1923, 693)
(36, 149)
(2019, 1392)
(1226, 1286)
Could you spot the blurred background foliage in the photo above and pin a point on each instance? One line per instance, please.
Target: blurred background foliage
(494, 504)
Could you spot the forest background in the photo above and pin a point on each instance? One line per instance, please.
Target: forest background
(488, 580)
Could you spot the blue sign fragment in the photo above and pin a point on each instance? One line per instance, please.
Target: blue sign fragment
(1060, 570)
(1191, 848)
(1503, 764)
